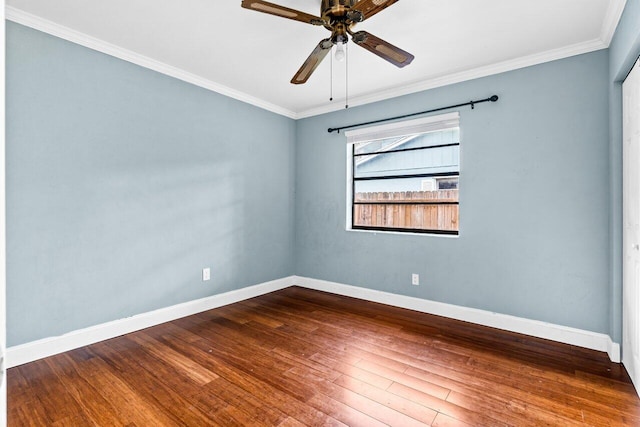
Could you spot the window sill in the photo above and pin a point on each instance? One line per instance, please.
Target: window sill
(404, 233)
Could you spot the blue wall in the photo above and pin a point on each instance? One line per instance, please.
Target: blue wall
(533, 200)
(122, 184)
(624, 50)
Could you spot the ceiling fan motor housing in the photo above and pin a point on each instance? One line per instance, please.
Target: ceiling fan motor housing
(334, 11)
(336, 8)
(339, 18)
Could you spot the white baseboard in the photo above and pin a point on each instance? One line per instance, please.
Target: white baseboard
(563, 334)
(613, 350)
(29, 352)
(25, 353)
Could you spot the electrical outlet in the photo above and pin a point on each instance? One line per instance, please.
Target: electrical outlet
(415, 279)
(206, 274)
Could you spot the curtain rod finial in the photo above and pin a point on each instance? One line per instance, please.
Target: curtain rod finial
(494, 98)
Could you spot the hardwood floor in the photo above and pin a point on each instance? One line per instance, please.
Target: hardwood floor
(300, 357)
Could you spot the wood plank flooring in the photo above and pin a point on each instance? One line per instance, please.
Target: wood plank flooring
(298, 357)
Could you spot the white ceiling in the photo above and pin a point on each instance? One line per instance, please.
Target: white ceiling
(252, 56)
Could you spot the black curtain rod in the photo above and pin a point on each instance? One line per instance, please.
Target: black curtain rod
(494, 98)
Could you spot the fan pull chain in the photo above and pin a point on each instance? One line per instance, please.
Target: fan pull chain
(346, 97)
(331, 78)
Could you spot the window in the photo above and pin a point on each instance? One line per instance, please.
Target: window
(447, 183)
(405, 176)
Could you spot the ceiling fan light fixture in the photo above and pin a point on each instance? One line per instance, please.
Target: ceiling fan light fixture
(339, 55)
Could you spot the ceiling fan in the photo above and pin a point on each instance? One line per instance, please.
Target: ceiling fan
(339, 17)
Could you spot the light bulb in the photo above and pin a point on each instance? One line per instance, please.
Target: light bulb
(339, 53)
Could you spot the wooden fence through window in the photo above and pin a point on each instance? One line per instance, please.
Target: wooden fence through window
(382, 212)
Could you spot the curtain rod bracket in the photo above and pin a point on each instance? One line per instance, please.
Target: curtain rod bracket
(493, 98)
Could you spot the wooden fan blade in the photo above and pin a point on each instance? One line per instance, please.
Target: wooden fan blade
(312, 62)
(284, 12)
(368, 8)
(383, 49)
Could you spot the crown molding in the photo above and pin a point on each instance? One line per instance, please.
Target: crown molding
(54, 29)
(614, 13)
(501, 67)
(611, 20)
(609, 26)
